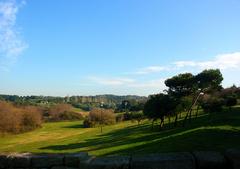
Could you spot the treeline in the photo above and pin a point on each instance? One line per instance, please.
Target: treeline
(84, 102)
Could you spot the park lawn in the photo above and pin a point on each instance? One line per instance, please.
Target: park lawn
(80, 111)
(74, 109)
(216, 132)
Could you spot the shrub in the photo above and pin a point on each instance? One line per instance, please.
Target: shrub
(87, 123)
(32, 118)
(134, 116)
(15, 119)
(70, 116)
(137, 116)
(99, 116)
(61, 112)
(10, 118)
(230, 101)
(212, 104)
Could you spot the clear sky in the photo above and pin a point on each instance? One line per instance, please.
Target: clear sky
(89, 47)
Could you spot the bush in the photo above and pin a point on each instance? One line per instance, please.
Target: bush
(32, 118)
(134, 116)
(212, 104)
(230, 101)
(10, 118)
(87, 123)
(137, 116)
(15, 119)
(61, 112)
(99, 116)
(70, 116)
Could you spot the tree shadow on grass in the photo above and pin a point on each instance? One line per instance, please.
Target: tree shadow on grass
(141, 139)
(196, 139)
(74, 126)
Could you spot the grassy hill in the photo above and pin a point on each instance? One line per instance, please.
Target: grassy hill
(216, 132)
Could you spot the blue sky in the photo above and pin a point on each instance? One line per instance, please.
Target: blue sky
(89, 47)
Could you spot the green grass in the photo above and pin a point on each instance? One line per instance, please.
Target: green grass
(74, 109)
(217, 132)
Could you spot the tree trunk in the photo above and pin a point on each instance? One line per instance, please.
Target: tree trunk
(197, 111)
(175, 122)
(190, 115)
(162, 123)
(153, 123)
(189, 111)
(169, 121)
(185, 119)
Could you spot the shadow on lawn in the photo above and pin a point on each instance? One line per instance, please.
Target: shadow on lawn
(140, 139)
(74, 126)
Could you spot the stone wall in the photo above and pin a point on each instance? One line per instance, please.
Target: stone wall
(194, 160)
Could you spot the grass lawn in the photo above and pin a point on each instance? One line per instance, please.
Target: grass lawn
(218, 132)
(74, 109)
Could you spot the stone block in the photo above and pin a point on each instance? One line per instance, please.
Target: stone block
(209, 160)
(62, 167)
(164, 161)
(3, 161)
(233, 158)
(73, 160)
(114, 162)
(46, 161)
(22, 160)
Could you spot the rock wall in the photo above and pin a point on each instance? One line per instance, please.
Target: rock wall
(194, 160)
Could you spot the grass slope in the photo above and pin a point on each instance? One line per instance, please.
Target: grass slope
(218, 132)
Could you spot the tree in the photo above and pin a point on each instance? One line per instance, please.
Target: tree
(158, 106)
(209, 79)
(101, 117)
(136, 105)
(136, 116)
(125, 105)
(181, 86)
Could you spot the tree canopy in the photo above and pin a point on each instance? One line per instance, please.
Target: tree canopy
(180, 85)
(209, 79)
